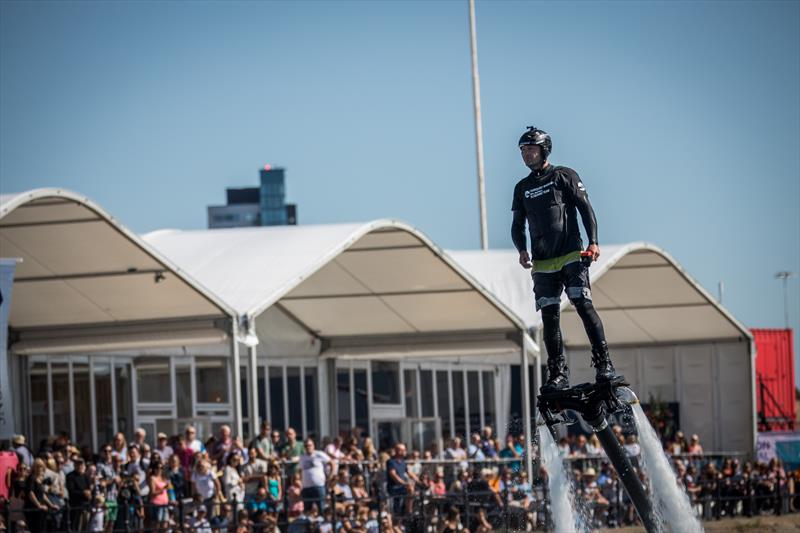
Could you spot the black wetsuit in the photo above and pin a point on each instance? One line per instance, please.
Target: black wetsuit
(549, 201)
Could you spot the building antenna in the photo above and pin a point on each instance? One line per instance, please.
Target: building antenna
(785, 275)
(476, 101)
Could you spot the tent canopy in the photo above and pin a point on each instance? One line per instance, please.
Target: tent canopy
(338, 280)
(643, 296)
(80, 267)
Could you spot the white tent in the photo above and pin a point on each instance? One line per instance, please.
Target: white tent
(379, 288)
(669, 337)
(84, 282)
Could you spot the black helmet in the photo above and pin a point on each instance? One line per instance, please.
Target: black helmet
(539, 137)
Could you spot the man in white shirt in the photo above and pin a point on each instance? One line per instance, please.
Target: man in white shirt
(254, 473)
(313, 463)
(192, 442)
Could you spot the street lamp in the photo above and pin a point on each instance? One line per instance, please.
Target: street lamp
(785, 275)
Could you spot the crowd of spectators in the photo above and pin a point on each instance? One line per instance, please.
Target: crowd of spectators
(343, 485)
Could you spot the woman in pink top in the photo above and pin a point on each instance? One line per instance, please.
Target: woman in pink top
(159, 497)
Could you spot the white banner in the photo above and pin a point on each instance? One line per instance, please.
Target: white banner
(7, 267)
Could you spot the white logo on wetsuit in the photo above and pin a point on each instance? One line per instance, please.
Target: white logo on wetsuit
(538, 191)
(580, 186)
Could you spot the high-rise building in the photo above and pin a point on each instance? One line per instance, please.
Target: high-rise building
(256, 206)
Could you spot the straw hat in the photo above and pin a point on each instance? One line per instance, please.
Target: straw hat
(590, 472)
(18, 440)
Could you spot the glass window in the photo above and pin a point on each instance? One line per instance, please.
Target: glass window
(295, 399)
(343, 399)
(385, 382)
(311, 400)
(410, 392)
(474, 399)
(153, 381)
(211, 380)
(61, 396)
(361, 399)
(103, 403)
(40, 421)
(459, 407)
(122, 377)
(183, 386)
(488, 399)
(443, 400)
(277, 418)
(243, 387)
(426, 392)
(83, 404)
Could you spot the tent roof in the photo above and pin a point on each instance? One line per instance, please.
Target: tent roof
(338, 280)
(643, 296)
(79, 266)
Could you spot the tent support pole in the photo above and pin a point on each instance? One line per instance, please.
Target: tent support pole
(255, 419)
(237, 380)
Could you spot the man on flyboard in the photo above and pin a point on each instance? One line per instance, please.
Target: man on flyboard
(547, 199)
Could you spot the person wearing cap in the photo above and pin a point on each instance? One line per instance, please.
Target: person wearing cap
(162, 448)
(21, 448)
(199, 522)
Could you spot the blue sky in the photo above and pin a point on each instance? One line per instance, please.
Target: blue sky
(683, 118)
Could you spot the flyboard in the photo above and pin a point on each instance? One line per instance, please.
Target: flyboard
(594, 402)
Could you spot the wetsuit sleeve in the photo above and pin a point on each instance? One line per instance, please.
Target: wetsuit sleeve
(518, 222)
(577, 192)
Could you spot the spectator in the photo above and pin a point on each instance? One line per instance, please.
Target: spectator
(97, 518)
(259, 503)
(37, 504)
(564, 449)
(342, 493)
(262, 443)
(177, 478)
(139, 437)
(488, 446)
(223, 446)
(579, 448)
(135, 470)
(694, 446)
(163, 449)
(368, 450)
(199, 523)
(254, 472)
(80, 495)
(360, 491)
(593, 447)
(274, 485)
(438, 488)
(192, 442)
(474, 450)
(232, 482)
(312, 464)
(205, 483)
(292, 450)
(294, 496)
(159, 497)
(277, 443)
(57, 492)
(632, 447)
(681, 444)
(450, 524)
(593, 495)
(120, 447)
(24, 453)
(8, 464)
(512, 450)
(399, 481)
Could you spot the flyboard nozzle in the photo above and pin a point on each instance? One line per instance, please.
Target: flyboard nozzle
(626, 395)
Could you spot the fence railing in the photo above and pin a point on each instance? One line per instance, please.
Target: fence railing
(493, 494)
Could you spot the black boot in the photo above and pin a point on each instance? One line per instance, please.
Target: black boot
(557, 374)
(604, 370)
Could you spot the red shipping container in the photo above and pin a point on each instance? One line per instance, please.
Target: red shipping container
(775, 389)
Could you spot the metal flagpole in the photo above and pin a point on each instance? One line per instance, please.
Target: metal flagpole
(476, 100)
